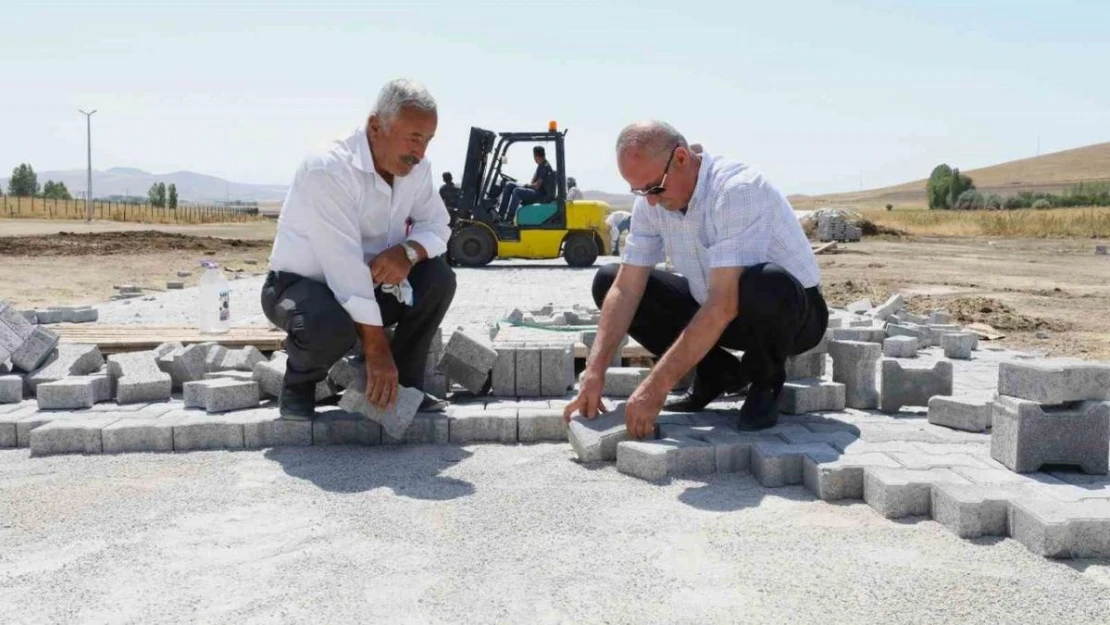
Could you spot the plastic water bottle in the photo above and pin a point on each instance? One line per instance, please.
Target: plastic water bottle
(215, 300)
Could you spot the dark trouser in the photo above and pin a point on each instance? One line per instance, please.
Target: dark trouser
(513, 197)
(320, 331)
(778, 318)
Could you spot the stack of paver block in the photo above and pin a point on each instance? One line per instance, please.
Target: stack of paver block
(835, 227)
(805, 390)
(533, 369)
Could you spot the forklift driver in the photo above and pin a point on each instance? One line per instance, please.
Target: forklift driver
(541, 188)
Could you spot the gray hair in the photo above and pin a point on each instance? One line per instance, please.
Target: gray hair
(402, 93)
(654, 139)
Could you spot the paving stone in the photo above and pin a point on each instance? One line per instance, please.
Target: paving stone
(214, 355)
(35, 350)
(867, 447)
(891, 306)
(264, 427)
(971, 511)
(147, 434)
(242, 359)
(74, 392)
(923, 334)
(47, 315)
(11, 389)
(339, 427)
(1026, 435)
(939, 317)
(467, 360)
(425, 429)
(184, 364)
(660, 459)
(68, 359)
(394, 422)
(861, 335)
(924, 462)
(854, 367)
(541, 424)
(588, 337)
(623, 381)
(900, 347)
(859, 307)
(961, 413)
(800, 434)
(898, 493)
(842, 477)
(195, 431)
(503, 377)
(270, 376)
(913, 386)
(31, 316)
(1054, 384)
(221, 395)
(77, 436)
(814, 395)
(556, 370)
(80, 314)
(596, 440)
(528, 372)
(232, 374)
(498, 425)
(138, 379)
(958, 345)
(780, 464)
(344, 372)
(1062, 530)
(806, 366)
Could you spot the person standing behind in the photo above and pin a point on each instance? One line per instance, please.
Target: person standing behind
(573, 192)
(618, 222)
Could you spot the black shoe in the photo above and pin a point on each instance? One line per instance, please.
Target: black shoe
(431, 403)
(298, 401)
(701, 393)
(760, 410)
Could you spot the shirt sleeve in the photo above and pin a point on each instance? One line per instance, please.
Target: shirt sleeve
(430, 221)
(644, 245)
(336, 239)
(742, 227)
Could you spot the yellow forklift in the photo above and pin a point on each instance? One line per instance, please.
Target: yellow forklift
(551, 228)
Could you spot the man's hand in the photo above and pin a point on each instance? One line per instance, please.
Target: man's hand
(643, 407)
(588, 401)
(381, 372)
(392, 266)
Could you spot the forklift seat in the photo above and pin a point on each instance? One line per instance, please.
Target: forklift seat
(535, 214)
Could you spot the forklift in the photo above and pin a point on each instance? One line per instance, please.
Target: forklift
(552, 228)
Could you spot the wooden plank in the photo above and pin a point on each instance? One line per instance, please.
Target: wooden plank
(828, 247)
(115, 339)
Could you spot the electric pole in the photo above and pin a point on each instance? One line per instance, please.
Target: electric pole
(88, 146)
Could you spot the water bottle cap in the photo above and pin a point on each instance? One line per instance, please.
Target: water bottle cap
(209, 264)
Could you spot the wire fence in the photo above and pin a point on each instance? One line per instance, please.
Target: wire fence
(44, 208)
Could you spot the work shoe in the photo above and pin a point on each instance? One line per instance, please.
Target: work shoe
(431, 403)
(701, 393)
(760, 410)
(298, 401)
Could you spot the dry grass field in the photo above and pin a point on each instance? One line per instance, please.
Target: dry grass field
(1082, 223)
(40, 208)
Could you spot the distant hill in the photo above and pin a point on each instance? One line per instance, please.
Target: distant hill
(191, 186)
(1050, 173)
(615, 200)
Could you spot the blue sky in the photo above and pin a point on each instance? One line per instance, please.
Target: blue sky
(817, 93)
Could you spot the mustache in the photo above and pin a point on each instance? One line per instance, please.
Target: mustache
(409, 159)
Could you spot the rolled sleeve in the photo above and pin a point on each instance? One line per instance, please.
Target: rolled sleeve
(742, 228)
(643, 247)
(430, 221)
(335, 236)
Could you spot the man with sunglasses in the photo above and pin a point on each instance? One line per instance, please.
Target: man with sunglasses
(746, 280)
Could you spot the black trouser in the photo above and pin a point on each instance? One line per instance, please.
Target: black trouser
(320, 331)
(777, 318)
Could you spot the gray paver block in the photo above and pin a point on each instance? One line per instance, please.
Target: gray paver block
(841, 478)
(805, 366)
(541, 424)
(939, 317)
(503, 380)
(595, 440)
(232, 374)
(425, 429)
(556, 370)
(961, 413)
(898, 493)
(339, 427)
(1026, 435)
(49, 315)
(623, 381)
(74, 392)
(221, 395)
(589, 336)
(69, 436)
(195, 431)
(345, 372)
(150, 434)
(860, 335)
(958, 345)
(900, 347)
(923, 334)
(971, 511)
(69, 359)
(925, 461)
(528, 372)
(854, 367)
(913, 386)
(138, 378)
(659, 459)
(467, 360)
(1054, 384)
(36, 350)
(394, 422)
(1062, 530)
(184, 364)
(242, 359)
(780, 464)
(498, 425)
(11, 389)
(264, 427)
(891, 306)
(814, 395)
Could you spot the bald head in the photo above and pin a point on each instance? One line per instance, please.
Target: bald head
(654, 159)
(650, 140)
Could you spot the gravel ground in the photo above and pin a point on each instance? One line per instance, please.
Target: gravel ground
(484, 534)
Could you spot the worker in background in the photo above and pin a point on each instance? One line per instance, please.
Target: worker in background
(618, 222)
(696, 148)
(449, 192)
(746, 280)
(359, 248)
(540, 189)
(573, 192)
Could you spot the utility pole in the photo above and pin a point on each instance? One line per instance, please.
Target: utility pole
(88, 146)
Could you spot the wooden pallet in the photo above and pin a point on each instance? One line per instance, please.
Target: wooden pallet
(113, 339)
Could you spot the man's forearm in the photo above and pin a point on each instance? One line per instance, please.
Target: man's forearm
(700, 336)
(617, 312)
(373, 339)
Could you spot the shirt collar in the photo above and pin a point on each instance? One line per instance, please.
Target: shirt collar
(702, 185)
(365, 160)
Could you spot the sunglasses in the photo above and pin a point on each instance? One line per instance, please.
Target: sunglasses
(662, 186)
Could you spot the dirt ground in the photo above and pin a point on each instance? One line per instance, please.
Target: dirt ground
(1058, 289)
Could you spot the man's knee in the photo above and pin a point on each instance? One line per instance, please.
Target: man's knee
(603, 281)
(434, 281)
(322, 333)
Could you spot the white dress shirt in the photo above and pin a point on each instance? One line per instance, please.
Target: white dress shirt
(735, 219)
(339, 214)
(574, 193)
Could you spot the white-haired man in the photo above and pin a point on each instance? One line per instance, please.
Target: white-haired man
(748, 281)
(362, 215)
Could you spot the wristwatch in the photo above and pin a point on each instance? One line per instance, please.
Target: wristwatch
(411, 253)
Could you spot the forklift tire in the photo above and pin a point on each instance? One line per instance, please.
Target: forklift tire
(472, 246)
(580, 250)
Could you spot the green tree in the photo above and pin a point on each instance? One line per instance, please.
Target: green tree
(937, 187)
(172, 196)
(162, 194)
(956, 187)
(24, 182)
(56, 191)
(157, 194)
(970, 200)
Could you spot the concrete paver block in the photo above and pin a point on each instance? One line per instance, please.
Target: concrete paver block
(961, 413)
(425, 429)
(861, 335)
(802, 396)
(184, 364)
(339, 427)
(74, 392)
(589, 336)
(898, 493)
(541, 424)
(891, 306)
(923, 334)
(196, 431)
(805, 366)
(780, 464)
(528, 372)
(854, 367)
(138, 378)
(221, 395)
(900, 347)
(232, 374)
(939, 317)
(11, 389)
(394, 422)
(556, 370)
(1062, 530)
(264, 427)
(1054, 384)
(925, 461)
(345, 372)
(467, 360)
(150, 434)
(623, 381)
(595, 440)
(503, 377)
(659, 459)
(842, 477)
(69, 436)
(1026, 435)
(497, 425)
(270, 376)
(913, 386)
(242, 359)
(958, 345)
(971, 511)
(68, 359)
